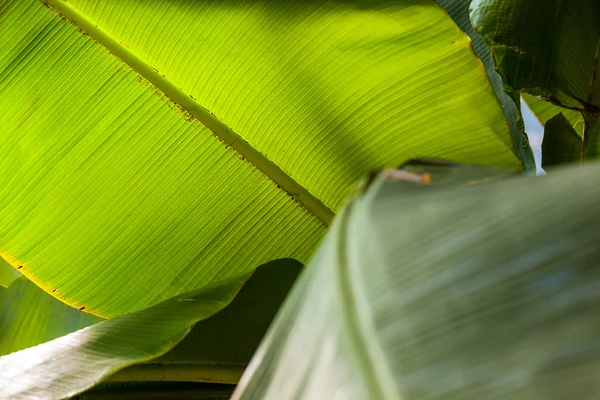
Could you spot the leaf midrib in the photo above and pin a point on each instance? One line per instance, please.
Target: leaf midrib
(219, 129)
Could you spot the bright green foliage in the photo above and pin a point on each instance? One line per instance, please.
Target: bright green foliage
(214, 137)
(434, 292)
(70, 364)
(544, 110)
(7, 274)
(545, 47)
(29, 316)
(561, 143)
(509, 99)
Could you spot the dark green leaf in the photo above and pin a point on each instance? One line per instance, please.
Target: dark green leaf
(545, 47)
(591, 136)
(561, 145)
(217, 350)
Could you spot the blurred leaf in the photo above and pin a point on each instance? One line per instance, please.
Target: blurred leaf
(466, 292)
(70, 364)
(544, 110)
(212, 137)
(8, 274)
(561, 143)
(547, 48)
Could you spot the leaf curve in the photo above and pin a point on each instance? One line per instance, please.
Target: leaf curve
(73, 363)
(491, 289)
(29, 316)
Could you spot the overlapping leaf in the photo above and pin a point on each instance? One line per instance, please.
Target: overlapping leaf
(561, 143)
(444, 292)
(509, 99)
(7, 274)
(29, 316)
(544, 110)
(211, 137)
(70, 364)
(217, 350)
(546, 48)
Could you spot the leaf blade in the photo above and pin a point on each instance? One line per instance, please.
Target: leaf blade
(130, 185)
(561, 143)
(79, 360)
(459, 295)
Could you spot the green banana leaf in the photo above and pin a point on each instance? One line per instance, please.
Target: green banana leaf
(547, 48)
(73, 363)
(561, 144)
(591, 135)
(29, 316)
(7, 274)
(509, 99)
(214, 136)
(485, 291)
(544, 110)
(217, 350)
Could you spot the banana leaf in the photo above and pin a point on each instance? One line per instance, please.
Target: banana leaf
(212, 137)
(145, 346)
(470, 291)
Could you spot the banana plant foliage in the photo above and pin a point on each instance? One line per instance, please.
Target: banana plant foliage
(152, 148)
(217, 350)
(544, 111)
(7, 274)
(29, 316)
(485, 290)
(548, 49)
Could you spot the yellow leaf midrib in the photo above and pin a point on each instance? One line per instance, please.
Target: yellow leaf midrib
(219, 129)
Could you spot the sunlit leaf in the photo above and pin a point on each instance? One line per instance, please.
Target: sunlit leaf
(29, 316)
(8, 274)
(70, 364)
(459, 11)
(212, 137)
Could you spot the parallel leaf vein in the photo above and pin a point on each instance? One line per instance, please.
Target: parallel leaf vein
(188, 104)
